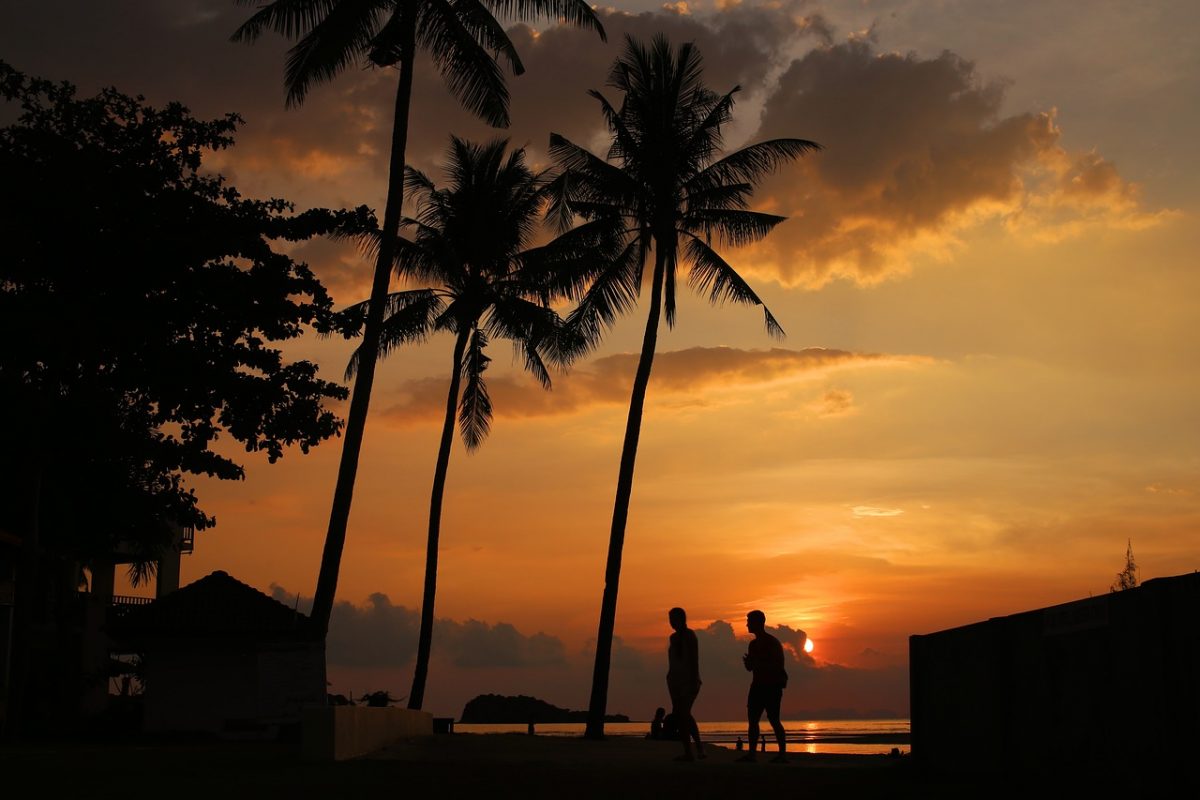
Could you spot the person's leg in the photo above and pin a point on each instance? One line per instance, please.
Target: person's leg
(754, 711)
(776, 724)
(681, 707)
(693, 727)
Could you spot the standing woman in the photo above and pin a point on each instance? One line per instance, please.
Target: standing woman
(683, 681)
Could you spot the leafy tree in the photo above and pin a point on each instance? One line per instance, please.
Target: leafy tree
(470, 241)
(1127, 578)
(140, 304)
(663, 189)
(461, 36)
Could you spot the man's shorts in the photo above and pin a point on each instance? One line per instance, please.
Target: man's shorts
(764, 698)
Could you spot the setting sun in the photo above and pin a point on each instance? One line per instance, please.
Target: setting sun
(808, 645)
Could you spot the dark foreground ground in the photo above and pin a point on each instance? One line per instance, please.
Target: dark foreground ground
(465, 766)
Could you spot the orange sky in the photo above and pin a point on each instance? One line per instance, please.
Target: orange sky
(989, 382)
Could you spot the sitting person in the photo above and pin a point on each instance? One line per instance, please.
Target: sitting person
(656, 724)
(670, 727)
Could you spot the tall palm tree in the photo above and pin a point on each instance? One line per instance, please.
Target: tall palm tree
(470, 242)
(460, 35)
(664, 189)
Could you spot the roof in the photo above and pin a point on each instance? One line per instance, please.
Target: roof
(216, 605)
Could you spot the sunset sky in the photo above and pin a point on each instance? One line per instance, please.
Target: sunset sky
(989, 384)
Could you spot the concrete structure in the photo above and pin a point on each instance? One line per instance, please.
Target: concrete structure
(1111, 682)
(222, 657)
(336, 733)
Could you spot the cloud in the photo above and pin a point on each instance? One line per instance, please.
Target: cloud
(872, 511)
(374, 643)
(607, 381)
(916, 152)
(917, 149)
(380, 634)
(834, 403)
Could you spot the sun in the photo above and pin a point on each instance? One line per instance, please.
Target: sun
(808, 645)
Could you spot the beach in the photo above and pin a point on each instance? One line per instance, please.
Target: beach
(462, 765)
(473, 765)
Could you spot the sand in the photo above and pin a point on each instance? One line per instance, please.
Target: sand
(467, 766)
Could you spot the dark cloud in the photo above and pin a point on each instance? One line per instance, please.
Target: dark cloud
(378, 639)
(380, 634)
(607, 380)
(740, 47)
(916, 149)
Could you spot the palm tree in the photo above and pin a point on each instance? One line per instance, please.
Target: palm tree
(470, 242)
(664, 189)
(460, 35)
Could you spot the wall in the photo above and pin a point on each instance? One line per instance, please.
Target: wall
(340, 732)
(1108, 681)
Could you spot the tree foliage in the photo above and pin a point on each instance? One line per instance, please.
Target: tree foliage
(1127, 578)
(141, 302)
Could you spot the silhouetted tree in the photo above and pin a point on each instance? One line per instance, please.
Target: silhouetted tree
(663, 188)
(140, 299)
(460, 36)
(470, 241)
(1127, 578)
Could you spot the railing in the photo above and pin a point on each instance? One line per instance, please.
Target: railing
(130, 600)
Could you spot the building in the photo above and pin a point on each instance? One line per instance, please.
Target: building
(1110, 682)
(222, 657)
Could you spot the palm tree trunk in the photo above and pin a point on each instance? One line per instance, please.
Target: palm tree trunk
(616, 541)
(417, 696)
(356, 420)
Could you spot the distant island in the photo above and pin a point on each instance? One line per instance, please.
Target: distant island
(497, 708)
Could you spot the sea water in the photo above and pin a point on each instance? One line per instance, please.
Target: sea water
(848, 736)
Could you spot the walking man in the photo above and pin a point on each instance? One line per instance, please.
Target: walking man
(764, 658)
(683, 681)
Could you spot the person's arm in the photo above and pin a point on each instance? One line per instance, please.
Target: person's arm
(748, 659)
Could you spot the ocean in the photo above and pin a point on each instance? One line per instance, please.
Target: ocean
(854, 736)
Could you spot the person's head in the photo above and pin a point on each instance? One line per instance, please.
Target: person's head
(756, 621)
(678, 618)
(659, 713)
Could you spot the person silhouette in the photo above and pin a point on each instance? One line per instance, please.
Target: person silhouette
(683, 681)
(656, 724)
(764, 658)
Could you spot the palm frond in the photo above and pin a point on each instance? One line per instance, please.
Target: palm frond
(470, 73)
(719, 196)
(751, 163)
(574, 12)
(475, 407)
(533, 329)
(734, 227)
(614, 291)
(669, 269)
(476, 18)
(291, 18)
(409, 318)
(417, 182)
(712, 275)
(565, 266)
(343, 35)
